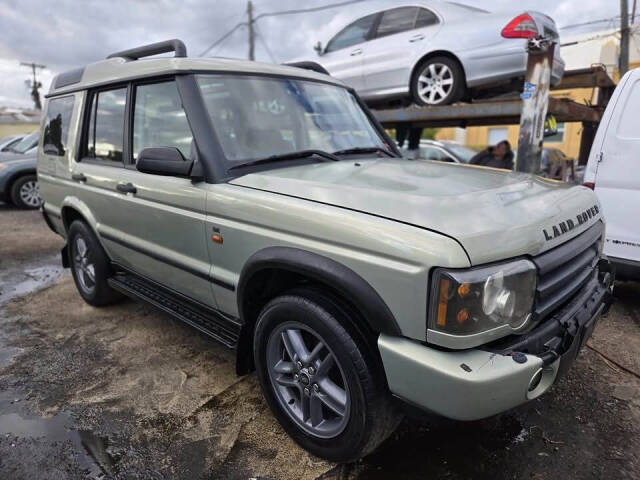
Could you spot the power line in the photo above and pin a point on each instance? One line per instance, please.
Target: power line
(275, 14)
(222, 38)
(592, 22)
(264, 44)
(306, 10)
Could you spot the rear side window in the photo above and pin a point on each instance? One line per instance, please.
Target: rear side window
(105, 132)
(159, 119)
(353, 34)
(56, 127)
(397, 20)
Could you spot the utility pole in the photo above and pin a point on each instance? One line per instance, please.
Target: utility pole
(633, 12)
(35, 84)
(623, 63)
(252, 37)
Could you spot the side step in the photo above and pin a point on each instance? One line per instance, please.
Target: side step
(221, 327)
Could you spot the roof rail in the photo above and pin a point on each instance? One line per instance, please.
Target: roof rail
(173, 45)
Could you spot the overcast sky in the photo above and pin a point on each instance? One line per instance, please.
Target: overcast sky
(63, 34)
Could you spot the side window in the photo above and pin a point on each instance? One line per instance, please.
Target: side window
(353, 34)
(56, 127)
(105, 133)
(426, 18)
(159, 119)
(397, 20)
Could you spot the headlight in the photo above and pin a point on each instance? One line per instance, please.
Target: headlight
(472, 307)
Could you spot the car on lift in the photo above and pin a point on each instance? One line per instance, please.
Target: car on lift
(265, 206)
(433, 52)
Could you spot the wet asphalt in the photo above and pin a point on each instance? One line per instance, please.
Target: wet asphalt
(126, 392)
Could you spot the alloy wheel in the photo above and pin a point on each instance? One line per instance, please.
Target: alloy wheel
(84, 267)
(435, 83)
(308, 380)
(30, 194)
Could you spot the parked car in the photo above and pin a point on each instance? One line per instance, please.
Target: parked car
(27, 145)
(612, 172)
(265, 206)
(433, 52)
(18, 181)
(7, 142)
(444, 151)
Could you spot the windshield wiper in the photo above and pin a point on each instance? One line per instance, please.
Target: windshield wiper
(350, 151)
(288, 156)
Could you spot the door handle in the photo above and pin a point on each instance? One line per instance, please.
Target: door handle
(78, 177)
(356, 52)
(126, 188)
(416, 38)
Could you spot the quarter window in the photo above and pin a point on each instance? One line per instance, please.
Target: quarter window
(56, 129)
(397, 20)
(160, 120)
(353, 34)
(425, 18)
(106, 125)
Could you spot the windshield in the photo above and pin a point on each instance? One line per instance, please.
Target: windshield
(464, 154)
(257, 117)
(26, 143)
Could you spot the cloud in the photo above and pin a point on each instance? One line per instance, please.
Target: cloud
(63, 34)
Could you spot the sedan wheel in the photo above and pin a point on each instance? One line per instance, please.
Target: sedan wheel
(438, 81)
(435, 83)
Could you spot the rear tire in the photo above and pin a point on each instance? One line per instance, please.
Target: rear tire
(90, 266)
(25, 193)
(341, 412)
(438, 81)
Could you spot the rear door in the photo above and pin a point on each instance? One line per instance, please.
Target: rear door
(342, 57)
(402, 35)
(617, 181)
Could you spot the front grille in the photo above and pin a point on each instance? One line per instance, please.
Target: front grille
(563, 270)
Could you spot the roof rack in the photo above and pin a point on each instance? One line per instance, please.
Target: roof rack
(173, 45)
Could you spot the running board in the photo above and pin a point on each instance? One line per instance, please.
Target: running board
(209, 321)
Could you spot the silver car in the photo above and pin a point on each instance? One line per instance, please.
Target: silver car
(434, 52)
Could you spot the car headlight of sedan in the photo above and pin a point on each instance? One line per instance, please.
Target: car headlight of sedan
(474, 306)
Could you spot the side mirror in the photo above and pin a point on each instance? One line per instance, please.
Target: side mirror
(318, 48)
(163, 161)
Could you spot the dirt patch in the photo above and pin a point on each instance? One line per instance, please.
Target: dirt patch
(25, 235)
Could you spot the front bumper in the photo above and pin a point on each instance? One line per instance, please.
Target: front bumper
(474, 384)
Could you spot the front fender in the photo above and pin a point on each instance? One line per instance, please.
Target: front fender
(326, 271)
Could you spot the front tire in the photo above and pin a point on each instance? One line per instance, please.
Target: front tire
(437, 81)
(320, 382)
(90, 266)
(25, 193)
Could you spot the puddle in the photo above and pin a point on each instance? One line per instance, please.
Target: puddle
(18, 279)
(92, 451)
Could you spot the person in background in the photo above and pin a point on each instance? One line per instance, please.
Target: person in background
(414, 134)
(500, 156)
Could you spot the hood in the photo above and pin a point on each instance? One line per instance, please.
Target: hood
(494, 214)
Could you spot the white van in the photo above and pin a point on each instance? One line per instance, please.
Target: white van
(613, 171)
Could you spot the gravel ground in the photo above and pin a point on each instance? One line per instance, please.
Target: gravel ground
(126, 392)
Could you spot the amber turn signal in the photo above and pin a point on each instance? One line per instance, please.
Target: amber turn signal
(442, 302)
(462, 316)
(216, 238)
(463, 290)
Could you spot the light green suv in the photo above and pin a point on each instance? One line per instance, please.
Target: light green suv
(266, 207)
